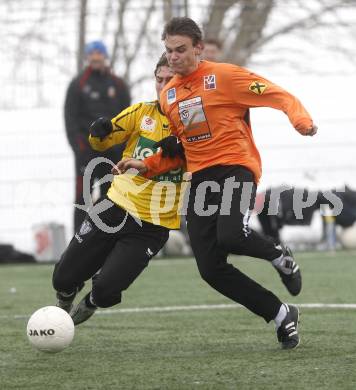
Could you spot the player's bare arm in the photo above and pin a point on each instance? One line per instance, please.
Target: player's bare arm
(126, 164)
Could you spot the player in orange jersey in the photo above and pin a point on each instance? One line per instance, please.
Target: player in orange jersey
(208, 106)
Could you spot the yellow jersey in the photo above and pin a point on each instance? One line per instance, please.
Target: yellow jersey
(153, 200)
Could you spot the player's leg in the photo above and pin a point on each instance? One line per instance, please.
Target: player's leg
(229, 281)
(129, 257)
(84, 256)
(235, 236)
(223, 276)
(270, 224)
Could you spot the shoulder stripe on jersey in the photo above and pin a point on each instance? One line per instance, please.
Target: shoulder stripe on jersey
(123, 116)
(119, 128)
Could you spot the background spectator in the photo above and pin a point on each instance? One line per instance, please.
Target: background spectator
(212, 50)
(95, 92)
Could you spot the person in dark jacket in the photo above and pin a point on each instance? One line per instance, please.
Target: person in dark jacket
(95, 92)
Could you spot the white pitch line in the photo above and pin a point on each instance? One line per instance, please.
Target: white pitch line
(218, 307)
(161, 309)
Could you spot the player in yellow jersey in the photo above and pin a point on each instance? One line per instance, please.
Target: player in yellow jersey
(117, 244)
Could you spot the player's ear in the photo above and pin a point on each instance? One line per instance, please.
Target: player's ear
(198, 48)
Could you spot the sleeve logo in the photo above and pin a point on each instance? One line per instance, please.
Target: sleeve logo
(257, 87)
(171, 95)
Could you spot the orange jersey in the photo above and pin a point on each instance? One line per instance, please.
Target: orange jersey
(209, 109)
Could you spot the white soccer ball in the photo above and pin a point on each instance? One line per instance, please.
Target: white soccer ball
(50, 329)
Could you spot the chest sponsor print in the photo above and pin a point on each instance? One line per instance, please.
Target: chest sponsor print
(145, 148)
(148, 123)
(192, 115)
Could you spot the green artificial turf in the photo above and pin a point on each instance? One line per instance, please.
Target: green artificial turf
(211, 348)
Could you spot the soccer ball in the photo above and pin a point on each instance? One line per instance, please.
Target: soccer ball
(50, 329)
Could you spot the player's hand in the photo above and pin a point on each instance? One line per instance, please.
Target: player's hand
(171, 147)
(128, 163)
(101, 127)
(312, 131)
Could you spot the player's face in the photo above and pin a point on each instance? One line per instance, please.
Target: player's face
(163, 76)
(96, 60)
(182, 56)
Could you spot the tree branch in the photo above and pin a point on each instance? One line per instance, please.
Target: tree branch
(139, 40)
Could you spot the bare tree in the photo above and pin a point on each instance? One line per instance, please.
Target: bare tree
(119, 35)
(247, 33)
(172, 8)
(83, 5)
(247, 28)
(108, 11)
(130, 51)
(167, 10)
(252, 21)
(216, 14)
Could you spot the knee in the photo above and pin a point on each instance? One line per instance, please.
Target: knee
(209, 274)
(62, 282)
(104, 297)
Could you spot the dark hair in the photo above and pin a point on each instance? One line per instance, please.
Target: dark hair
(183, 26)
(161, 62)
(213, 41)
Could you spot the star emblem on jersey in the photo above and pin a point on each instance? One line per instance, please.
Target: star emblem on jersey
(257, 87)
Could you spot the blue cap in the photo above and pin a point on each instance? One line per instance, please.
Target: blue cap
(96, 46)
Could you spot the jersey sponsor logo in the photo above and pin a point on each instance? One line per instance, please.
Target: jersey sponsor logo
(209, 82)
(85, 228)
(145, 148)
(257, 87)
(171, 96)
(147, 123)
(192, 115)
(141, 152)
